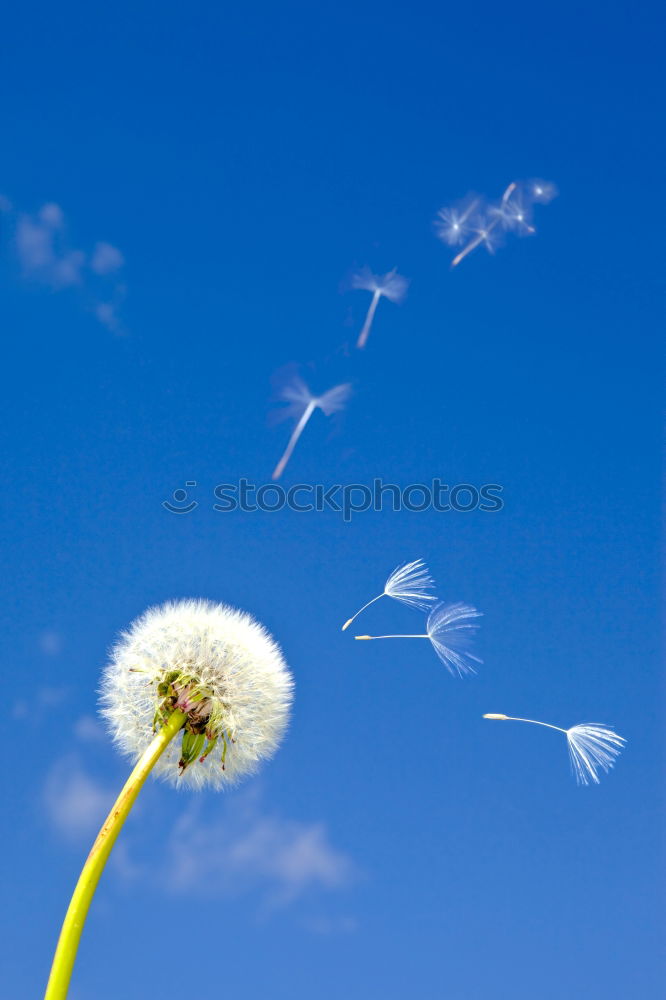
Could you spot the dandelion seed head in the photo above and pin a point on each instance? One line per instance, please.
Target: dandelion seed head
(410, 584)
(592, 747)
(213, 662)
(451, 629)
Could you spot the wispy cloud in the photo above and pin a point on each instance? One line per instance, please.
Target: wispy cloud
(246, 851)
(45, 256)
(240, 850)
(50, 642)
(37, 705)
(106, 259)
(88, 730)
(74, 802)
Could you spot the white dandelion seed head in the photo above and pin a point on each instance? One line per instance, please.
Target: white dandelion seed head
(410, 584)
(451, 629)
(592, 747)
(211, 661)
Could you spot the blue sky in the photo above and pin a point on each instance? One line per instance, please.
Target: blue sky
(241, 162)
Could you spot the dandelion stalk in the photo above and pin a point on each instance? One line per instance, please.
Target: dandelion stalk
(70, 935)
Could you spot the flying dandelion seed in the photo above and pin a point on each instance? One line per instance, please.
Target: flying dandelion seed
(452, 224)
(408, 583)
(591, 746)
(485, 224)
(301, 405)
(515, 215)
(484, 229)
(451, 632)
(541, 191)
(391, 285)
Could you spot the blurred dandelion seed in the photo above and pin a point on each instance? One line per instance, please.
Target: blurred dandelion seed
(450, 631)
(452, 224)
(484, 229)
(486, 222)
(392, 286)
(407, 583)
(542, 191)
(591, 746)
(301, 406)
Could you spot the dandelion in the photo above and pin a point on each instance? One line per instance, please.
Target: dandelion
(450, 629)
(591, 746)
(408, 583)
(301, 406)
(391, 285)
(196, 693)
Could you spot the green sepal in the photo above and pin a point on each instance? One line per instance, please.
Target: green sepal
(192, 746)
(210, 746)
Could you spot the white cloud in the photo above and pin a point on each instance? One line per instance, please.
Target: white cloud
(88, 730)
(41, 250)
(46, 258)
(74, 802)
(106, 259)
(39, 703)
(107, 314)
(242, 851)
(50, 643)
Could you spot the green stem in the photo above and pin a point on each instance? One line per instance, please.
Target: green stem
(68, 942)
